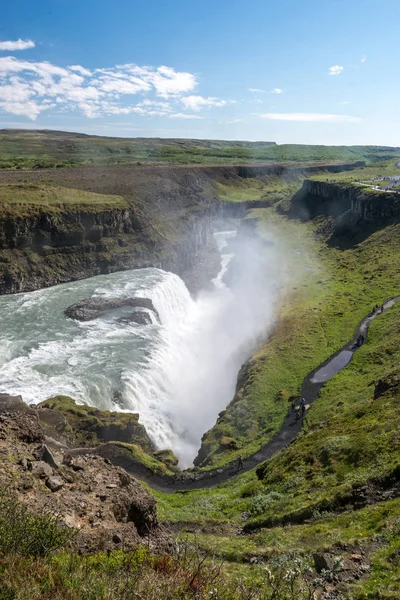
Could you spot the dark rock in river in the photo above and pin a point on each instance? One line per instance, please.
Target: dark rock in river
(93, 308)
(140, 317)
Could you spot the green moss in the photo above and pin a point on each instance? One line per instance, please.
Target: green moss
(167, 457)
(89, 426)
(136, 454)
(28, 199)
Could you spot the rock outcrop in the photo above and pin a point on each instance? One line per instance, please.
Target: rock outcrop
(80, 425)
(93, 308)
(352, 212)
(107, 508)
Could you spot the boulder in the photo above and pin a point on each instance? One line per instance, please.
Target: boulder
(13, 404)
(140, 317)
(48, 457)
(389, 383)
(93, 308)
(323, 562)
(54, 483)
(41, 469)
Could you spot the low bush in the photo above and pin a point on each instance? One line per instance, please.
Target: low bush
(23, 533)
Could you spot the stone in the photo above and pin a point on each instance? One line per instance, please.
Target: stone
(356, 557)
(140, 317)
(54, 483)
(12, 404)
(323, 562)
(124, 479)
(49, 457)
(117, 538)
(40, 469)
(93, 308)
(111, 486)
(24, 463)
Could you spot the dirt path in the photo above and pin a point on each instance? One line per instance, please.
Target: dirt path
(310, 389)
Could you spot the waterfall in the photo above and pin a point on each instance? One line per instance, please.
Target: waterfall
(177, 374)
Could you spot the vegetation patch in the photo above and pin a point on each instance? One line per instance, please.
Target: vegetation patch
(27, 199)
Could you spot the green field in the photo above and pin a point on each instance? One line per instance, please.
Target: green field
(366, 173)
(22, 149)
(25, 199)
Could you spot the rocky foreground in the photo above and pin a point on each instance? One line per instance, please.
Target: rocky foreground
(107, 508)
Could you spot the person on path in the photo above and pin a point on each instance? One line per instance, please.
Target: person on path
(239, 463)
(303, 406)
(382, 308)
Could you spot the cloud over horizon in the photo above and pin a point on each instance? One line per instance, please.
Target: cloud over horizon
(310, 117)
(29, 88)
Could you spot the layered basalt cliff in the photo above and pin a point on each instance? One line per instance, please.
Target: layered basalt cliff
(353, 211)
(165, 222)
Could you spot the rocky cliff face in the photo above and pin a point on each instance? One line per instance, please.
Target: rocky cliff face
(107, 508)
(353, 212)
(167, 224)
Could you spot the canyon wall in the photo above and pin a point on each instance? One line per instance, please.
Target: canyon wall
(353, 212)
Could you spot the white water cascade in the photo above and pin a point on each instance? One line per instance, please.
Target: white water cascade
(178, 375)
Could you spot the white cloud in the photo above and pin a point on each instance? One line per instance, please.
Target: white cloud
(180, 115)
(276, 91)
(257, 90)
(234, 121)
(29, 88)
(335, 70)
(310, 117)
(198, 102)
(80, 70)
(344, 102)
(17, 45)
(363, 59)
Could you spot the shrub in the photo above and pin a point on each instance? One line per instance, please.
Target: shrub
(250, 489)
(263, 502)
(26, 534)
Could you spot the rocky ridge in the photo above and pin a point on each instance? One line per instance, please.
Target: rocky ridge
(105, 506)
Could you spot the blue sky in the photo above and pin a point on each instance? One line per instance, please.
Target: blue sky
(293, 71)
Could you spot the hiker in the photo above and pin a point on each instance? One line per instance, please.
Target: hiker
(297, 416)
(239, 463)
(303, 406)
(382, 308)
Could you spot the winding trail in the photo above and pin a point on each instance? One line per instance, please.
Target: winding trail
(310, 389)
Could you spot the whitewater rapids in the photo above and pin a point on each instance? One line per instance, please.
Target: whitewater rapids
(178, 375)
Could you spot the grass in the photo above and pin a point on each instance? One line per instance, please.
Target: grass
(364, 174)
(21, 150)
(350, 439)
(27, 199)
(318, 313)
(271, 188)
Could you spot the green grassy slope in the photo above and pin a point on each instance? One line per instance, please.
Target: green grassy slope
(27, 199)
(317, 312)
(350, 446)
(22, 149)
